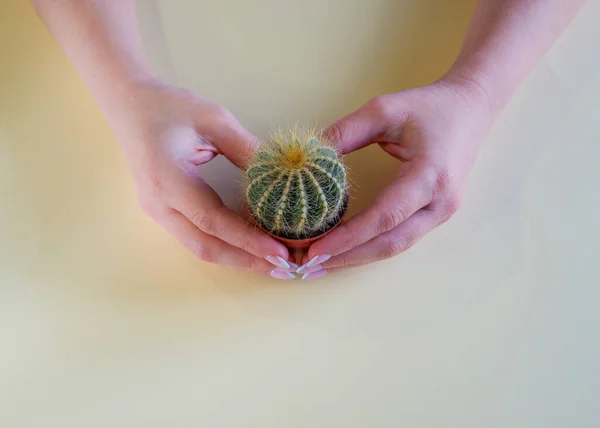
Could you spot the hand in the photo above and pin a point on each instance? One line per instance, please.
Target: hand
(435, 131)
(166, 133)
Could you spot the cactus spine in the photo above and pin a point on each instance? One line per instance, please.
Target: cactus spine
(296, 185)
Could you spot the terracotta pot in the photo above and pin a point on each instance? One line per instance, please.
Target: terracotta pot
(294, 244)
(301, 244)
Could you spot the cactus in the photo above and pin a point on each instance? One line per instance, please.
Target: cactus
(296, 185)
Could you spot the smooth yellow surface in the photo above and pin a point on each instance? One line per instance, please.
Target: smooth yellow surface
(491, 321)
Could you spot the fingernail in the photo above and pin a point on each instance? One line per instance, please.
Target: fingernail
(311, 269)
(279, 274)
(314, 275)
(316, 260)
(294, 266)
(278, 261)
(319, 259)
(291, 269)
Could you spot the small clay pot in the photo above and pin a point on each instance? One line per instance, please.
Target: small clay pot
(301, 244)
(294, 244)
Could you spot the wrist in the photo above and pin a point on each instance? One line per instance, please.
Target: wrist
(480, 75)
(475, 92)
(121, 96)
(125, 101)
(118, 87)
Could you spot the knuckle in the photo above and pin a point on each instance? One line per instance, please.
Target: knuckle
(149, 195)
(203, 221)
(393, 247)
(443, 180)
(350, 240)
(203, 252)
(149, 207)
(451, 206)
(246, 242)
(343, 260)
(250, 263)
(453, 203)
(336, 133)
(154, 184)
(390, 219)
(220, 115)
(344, 238)
(377, 103)
(380, 106)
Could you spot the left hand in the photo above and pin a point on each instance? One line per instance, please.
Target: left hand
(435, 131)
(166, 133)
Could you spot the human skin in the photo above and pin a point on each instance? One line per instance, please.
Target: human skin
(436, 131)
(165, 132)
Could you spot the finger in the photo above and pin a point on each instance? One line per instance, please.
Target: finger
(340, 269)
(364, 126)
(197, 201)
(211, 249)
(409, 192)
(388, 244)
(304, 260)
(201, 157)
(234, 141)
(355, 131)
(327, 271)
(322, 271)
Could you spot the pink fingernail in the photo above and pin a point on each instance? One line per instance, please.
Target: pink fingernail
(278, 261)
(316, 260)
(311, 269)
(319, 259)
(279, 274)
(291, 269)
(314, 275)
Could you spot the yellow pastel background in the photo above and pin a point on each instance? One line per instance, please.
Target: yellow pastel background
(490, 321)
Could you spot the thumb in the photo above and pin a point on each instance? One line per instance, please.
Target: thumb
(363, 127)
(232, 140)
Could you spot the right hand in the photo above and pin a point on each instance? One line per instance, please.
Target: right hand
(435, 131)
(165, 133)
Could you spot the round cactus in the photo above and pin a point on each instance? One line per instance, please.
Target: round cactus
(296, 185)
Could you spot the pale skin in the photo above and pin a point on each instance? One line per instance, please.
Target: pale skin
(166, 132)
